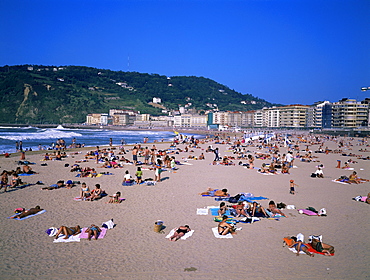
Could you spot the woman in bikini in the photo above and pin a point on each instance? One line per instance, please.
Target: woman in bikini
(91, 231)
(96, 193)
(180, 232)
(225, 228)
(68, 231)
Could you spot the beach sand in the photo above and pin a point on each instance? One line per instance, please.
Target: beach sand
(132, 250)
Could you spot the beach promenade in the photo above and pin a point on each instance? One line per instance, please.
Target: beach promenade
(132, 250)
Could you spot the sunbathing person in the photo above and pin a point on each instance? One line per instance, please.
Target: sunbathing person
(222, 209)
(85, 191)
(28, 170)
(180, 232)
(297, 243)
(256, 210)
(215, 192)
(28, 212)
(68, 231)
(91, 231)
(59, 184)
(368, 198)
(240, 211)
(322, 247)
(115, 198)
(225, 228)
(272, 208)
(96, 193)
(353, 178)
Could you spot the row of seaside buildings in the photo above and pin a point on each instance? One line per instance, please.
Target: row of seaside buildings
(346, 113)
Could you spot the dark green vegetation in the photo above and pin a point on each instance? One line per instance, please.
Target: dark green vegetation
(51, 94)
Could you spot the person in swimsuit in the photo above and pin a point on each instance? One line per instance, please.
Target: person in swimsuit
(139, 175)
(322, 247)
(85, 191)
(240, 211)
(299, 246)
(28, 212)
(68, 231)
(91, 231)
(96, 193)
(180, 232)
(225, 228)
(272, 208)
(216, 192)
(256, 210)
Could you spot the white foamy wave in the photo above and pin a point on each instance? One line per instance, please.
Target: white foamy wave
(46, 134)
(60, 127)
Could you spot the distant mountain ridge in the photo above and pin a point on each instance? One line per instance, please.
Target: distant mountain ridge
(66, 94)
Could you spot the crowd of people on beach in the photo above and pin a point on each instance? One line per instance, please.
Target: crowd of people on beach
(240, 206)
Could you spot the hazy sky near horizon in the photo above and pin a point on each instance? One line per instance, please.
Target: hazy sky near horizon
(284, 51)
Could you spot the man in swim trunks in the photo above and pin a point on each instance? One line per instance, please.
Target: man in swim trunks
(225, 228)
(322, 247)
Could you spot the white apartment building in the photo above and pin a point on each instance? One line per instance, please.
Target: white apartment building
(97, 119)
(188, 120)
(350, 113)
(293, 116)
(220, 118)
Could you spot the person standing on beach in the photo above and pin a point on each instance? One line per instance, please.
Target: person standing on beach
(217, 157)
(291, 186)
(16, 146)
(20, 146)
(134, 155)
(146, 155)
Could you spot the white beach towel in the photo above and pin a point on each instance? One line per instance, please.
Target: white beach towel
(216, 234)
(202, 211)
(187, 235)
(72, 238)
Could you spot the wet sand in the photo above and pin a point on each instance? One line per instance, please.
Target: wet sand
(132, 250)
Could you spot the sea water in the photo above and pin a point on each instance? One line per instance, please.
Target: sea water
(34, 137)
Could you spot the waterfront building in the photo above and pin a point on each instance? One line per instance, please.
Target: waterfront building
(350, 113)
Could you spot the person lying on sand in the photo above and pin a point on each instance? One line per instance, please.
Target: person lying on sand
(322, 247)
(180, 232)
(272, 208)
(91, 231)
(299, 246)
(353, 178)
(68, 231)
(256, 210)
(28, 212)
(215, 192)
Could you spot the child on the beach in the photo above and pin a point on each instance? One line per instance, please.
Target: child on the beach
(292, 185)
(139, 175)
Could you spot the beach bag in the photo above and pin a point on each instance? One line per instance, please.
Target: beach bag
(109, 224)
(313, 175)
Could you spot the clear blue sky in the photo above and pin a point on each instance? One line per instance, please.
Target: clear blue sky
(284, 51)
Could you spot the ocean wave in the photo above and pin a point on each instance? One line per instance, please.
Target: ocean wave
(46, 134)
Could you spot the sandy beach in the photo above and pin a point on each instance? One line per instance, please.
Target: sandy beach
(132, 250)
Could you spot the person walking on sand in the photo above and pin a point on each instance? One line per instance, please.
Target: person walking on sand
(217, 157)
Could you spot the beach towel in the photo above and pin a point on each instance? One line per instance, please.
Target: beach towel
(312, 250)
(360, 198)
(202, 211)
(26, 174)
(217, 235)
(187, 235)
(214, 211)
(72, 238)
(38, 213)
(341, 182)
(102, 234)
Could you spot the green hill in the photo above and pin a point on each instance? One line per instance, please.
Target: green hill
(35, 94)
